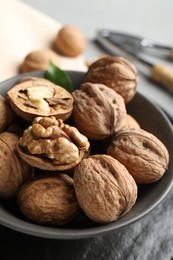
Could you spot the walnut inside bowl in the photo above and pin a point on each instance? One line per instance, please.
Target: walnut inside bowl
(149, 118)
(49, 144)
(39, 97)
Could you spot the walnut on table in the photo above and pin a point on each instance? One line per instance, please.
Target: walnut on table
(39, 60)
(142, 153)
(49, 144)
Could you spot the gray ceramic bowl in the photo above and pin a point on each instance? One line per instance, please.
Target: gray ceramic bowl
(152, 119)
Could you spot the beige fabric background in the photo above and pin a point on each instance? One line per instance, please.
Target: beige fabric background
(24, 29)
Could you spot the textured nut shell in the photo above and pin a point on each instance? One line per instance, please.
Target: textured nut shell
(98, 111)
(115, 72)
(49, 200)
(143, 154)
(39, 60)
(131, 122)
(29, 113)
(13, 171)
(70, 41)
(6, 114)
(104, 188)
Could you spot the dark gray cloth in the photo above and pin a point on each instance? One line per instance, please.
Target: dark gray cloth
(151, 238)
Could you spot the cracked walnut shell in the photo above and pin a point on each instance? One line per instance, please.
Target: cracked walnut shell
(104, 188)
(49, 200)
(13, 171)
(116, 73)
(49, 144)
(98, 111)
(143, 154)
(40, 97)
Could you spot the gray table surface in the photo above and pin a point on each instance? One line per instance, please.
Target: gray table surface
(151, 238)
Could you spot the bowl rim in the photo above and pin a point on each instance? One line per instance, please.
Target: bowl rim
(33, 229)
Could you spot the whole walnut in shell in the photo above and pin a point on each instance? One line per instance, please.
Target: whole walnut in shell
(131, 122)
(39, 60)
(13, 171)
(6, 114)
(142, 153)
(40, 97)
(70, 41)
(49, 200)
(98, 111)
(104, 188)
(117, 73)
(49, 144)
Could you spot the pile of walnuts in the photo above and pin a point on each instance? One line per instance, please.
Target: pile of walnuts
(76, 152)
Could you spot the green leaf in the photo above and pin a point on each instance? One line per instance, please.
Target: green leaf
(59, 77)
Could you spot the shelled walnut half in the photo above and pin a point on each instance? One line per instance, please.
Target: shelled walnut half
(49, 144)
(40, 97)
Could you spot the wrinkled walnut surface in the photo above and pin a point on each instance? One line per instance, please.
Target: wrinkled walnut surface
(143, 154)
(50, 144)
(13, 171)
(98, 111)
(39, 60)
(104, 188)
(6, 114)
(60, 104)
(117, 73)
(49, 200)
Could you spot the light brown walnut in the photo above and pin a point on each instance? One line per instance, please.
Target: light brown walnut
(6, 114)
(34, 97)
(142, 153)
(117, 73)
(13, 171)
(131, 122)
(104, 188)
(39, 60)
(49, 144)
(49, 200)
(98, 111)
(70, 41)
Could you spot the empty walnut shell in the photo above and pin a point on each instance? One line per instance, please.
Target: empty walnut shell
(49, 200)
(6, 114)
(98, 111)
(39, 60)
(115, 72)
(13, 171)
(104, 188)
(143, 154)
(40, 97)
(49, 144)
